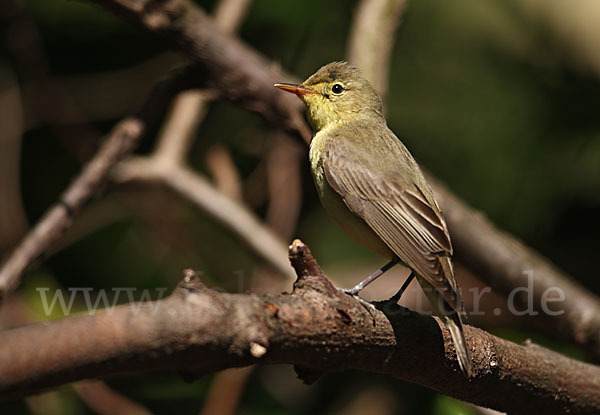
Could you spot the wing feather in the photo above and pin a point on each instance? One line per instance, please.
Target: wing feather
(398, 207)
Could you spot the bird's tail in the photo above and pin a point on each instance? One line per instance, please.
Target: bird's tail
(453, 320)
(454, 323)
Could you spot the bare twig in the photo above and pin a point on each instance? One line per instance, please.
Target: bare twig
(224, 172)
(59, 217)
(284, 184)
(225, 391)
(179, 130)
(223, 62)
(194, 187)
(56, 220)
(104, 400)
(372, 39)
(316, 327)
(167, 165)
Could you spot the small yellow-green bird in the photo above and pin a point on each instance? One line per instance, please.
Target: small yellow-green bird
(372, 187)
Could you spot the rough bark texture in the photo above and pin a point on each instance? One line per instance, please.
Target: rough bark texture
(198, 331)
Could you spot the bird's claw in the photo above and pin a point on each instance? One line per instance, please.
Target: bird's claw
(350, 291)
(354, 293)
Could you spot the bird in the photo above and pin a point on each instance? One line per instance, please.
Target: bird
(371, 185)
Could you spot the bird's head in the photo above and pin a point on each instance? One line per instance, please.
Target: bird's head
(336, 93)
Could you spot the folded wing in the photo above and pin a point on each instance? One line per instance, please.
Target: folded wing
(398, 205)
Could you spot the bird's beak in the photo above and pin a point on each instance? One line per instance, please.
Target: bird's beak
(295, 89)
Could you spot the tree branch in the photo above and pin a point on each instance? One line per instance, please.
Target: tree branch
(232, 215)
(372, 38)
(167, 165)
(503, 262)
(117, 144)
(59, 217)
(223, 62)
(317, 328)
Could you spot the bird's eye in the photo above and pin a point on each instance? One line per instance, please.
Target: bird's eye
(337, 89)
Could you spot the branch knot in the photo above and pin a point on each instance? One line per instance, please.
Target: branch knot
(310, 275)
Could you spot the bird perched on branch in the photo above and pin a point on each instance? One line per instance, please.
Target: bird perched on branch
(372, 187)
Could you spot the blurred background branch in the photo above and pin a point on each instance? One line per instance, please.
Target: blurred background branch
(116, 145)
(504, 262)
(167, 165)
(59, 217)
(371, 39)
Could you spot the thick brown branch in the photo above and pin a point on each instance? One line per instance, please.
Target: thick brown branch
(317, 328)
(223, 62)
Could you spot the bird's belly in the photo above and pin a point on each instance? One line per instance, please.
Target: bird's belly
(352, 225)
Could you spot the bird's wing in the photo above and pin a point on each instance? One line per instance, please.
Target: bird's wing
(396, 203)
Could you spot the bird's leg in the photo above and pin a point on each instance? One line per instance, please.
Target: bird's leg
(358, 287)
(396, 297)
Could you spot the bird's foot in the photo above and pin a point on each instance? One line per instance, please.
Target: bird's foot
(353, 292)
